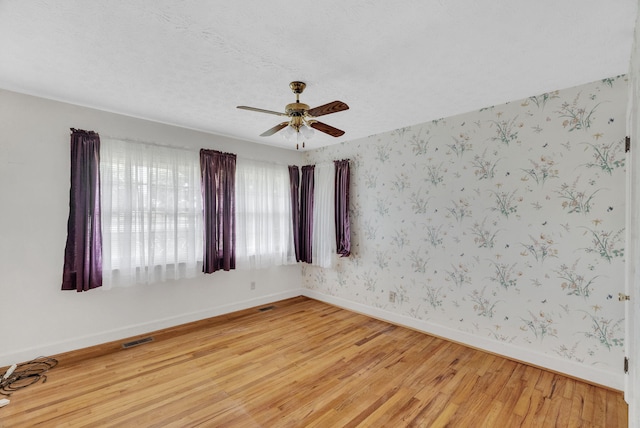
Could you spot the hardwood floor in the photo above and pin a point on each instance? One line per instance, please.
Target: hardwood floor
(305, 364)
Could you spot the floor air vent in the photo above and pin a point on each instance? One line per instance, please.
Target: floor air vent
(267, 308)
(137, 342)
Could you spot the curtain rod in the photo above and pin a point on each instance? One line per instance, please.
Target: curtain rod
(189, 149)
(331, 162)
(149, 143)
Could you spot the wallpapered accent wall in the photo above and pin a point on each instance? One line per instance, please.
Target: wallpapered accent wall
(507, 222)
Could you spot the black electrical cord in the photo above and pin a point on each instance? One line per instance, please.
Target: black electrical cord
(26, 374)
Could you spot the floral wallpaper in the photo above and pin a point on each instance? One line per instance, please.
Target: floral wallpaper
(507, 222)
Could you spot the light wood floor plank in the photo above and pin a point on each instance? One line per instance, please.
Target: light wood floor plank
(304, 364)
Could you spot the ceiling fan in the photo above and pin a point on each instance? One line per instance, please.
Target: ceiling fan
(301, 117)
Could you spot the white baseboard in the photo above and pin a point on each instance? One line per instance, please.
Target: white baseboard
(574, 369)
(48, 349)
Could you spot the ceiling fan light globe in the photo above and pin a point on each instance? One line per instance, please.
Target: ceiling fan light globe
(288, 133)
(307, 132)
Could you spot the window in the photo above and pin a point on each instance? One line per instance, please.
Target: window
(264, 229)
(152, 213)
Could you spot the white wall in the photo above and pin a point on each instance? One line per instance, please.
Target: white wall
(36, 317)
(501, 228)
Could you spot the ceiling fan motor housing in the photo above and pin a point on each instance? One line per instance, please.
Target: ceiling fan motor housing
(296, 109)
(296, 122)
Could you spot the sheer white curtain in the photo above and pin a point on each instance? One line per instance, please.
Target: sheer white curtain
(152, 213)
(324, 228)
(264, 229)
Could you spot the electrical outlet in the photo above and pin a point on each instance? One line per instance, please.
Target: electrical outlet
(253, 285)
(392, 296)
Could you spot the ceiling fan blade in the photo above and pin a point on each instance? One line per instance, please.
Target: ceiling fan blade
(275, 129)
(261, 110)
(327, 129)
(332, 107)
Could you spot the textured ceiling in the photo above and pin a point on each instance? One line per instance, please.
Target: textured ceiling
(190, 63)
